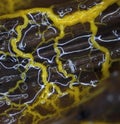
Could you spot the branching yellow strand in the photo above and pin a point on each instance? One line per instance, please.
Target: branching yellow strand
(43, 98)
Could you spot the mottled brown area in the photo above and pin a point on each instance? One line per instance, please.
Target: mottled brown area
(103, 108)
(78, 58)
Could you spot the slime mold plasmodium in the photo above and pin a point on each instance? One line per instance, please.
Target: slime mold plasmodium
(52, 58)
(10, 6)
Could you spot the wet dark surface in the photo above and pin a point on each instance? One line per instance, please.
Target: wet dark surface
(75, 49)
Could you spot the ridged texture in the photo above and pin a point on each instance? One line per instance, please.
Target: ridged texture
(54, 59)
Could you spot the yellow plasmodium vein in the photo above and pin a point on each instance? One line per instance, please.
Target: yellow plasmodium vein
(107, 58)
(61, 23)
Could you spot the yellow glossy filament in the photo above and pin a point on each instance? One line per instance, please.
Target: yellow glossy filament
(43, 97)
